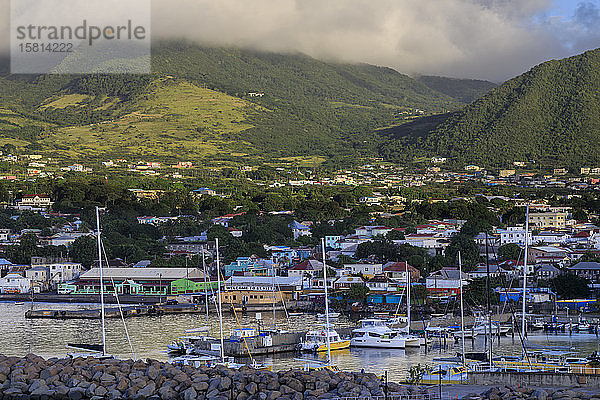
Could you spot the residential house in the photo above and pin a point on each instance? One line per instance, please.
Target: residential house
(34, 202)
(39, 277)
(548, 255)
(367, 270)
(496, 271)
(446, 280)
(307, 268)
(514, 235)
(382, 283)
(398, 270)
(299, 229)
(224, 219)
(4, 235)
(546, 271)
(250, 266)
(14, 283)
(205, 191)
(587, 269)
(372, 231)
(345, 282)
(333, 242)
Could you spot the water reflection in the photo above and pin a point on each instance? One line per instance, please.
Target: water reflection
(150, 336)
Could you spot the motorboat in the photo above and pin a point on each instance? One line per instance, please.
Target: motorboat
(375, 333)
(316, 341)
(332, 315)
(443, 374)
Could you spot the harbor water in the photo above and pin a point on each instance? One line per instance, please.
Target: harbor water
(151, 335)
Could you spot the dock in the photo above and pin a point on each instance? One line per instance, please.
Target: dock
(113, 312)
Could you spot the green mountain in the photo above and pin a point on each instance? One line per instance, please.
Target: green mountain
(204, 104)
(463, 90)
(550, 115)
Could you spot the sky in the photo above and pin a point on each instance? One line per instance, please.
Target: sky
(485, 39)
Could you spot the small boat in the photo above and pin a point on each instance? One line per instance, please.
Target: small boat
(19, 303)
(295, 314)
(332, 315)
(315, 365)
(444, 374)
(87, 350)
(316, 341)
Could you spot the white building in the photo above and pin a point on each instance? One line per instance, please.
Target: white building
(514, 235)
(364, 269)
(14, 283)
(33, 202)
(63, 272)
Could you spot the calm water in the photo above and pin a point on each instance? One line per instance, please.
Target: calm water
(150, 336)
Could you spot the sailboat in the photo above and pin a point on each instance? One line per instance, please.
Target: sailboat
(409, 340)
(94, 350)
(327, 339)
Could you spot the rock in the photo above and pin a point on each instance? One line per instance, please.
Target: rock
(146, 391)
(152, 372)
(200, 387)
(167, 393)
(100, 391)
(190, 394)
(113, 394)
(539, 394)
(251, 388)
(76, 393)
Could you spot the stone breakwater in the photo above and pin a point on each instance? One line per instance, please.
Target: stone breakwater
(33, 377)
(513, 392)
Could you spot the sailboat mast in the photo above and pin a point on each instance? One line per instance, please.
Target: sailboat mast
(205, 285)
(101, 281)
(407, 299)
(273, 284)
(219, 296)
(326, 302)
(462, 309)
(523, 322)
(489, 303)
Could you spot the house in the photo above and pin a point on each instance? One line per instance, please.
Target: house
(398, 270)
(587, 269)
(282, 255)
(368, 270)
(372, 231)
(446, 280)
(345, 282)
(224, 219)
(146, 220)
(4, 235)
(546, 271)
(308, 268)
(66, 239)
(14, 283)
(235, 232)
(39, 277)
(204, 191)
(382, 283)
(63, 272)
(513, 235)
(38, 202)
(481, 271)
(333, 242)
(548, 255)
(299, 229)
(250, 266)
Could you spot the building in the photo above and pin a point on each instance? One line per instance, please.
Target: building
(346, 282)
(130, 281)
(39, 277)
(587, 269)
(242, 290)
(546, 271)
(307, 268)
(367, 270)
(299, 229)
(397, 271)
(548, 255)
(446, 280)
(382, 283)
(250, 266)
(33, 202)
(513, 235)
(14, 283)
(547, 220)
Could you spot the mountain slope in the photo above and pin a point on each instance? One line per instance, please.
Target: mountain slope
(550, 115)
(463, 90)
(202, 102)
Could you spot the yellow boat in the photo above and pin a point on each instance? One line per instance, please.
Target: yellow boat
(444, 374)
(316, 341)
(338, 345)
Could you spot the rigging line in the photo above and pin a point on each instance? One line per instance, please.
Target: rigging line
(238, 322)
(119, 305)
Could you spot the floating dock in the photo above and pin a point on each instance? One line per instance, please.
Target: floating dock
(113, 312)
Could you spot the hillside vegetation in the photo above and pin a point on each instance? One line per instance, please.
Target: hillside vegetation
(199, 104)
(550, 115)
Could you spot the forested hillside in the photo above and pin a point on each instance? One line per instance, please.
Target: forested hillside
(550, 115)
(205, 102)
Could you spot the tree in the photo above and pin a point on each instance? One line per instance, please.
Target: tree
(22, 253)
(469, 251)
(509, 251)
(394, 235)
(358, 292)
(84, 250)
(570, 286)
(383, 249)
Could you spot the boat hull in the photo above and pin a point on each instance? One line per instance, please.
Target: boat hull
(342, 344)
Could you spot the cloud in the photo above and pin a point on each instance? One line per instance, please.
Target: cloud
(491, 39)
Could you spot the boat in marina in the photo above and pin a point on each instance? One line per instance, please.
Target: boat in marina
(316, 341)
(331, 315)
(444, 374)
(376, 333)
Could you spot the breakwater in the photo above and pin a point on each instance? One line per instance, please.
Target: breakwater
(33, 377)
(531, 393)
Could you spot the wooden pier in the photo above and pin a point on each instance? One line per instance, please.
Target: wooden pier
(113, 312)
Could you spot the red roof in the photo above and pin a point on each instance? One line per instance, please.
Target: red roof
(34, 195)
(582, 234)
